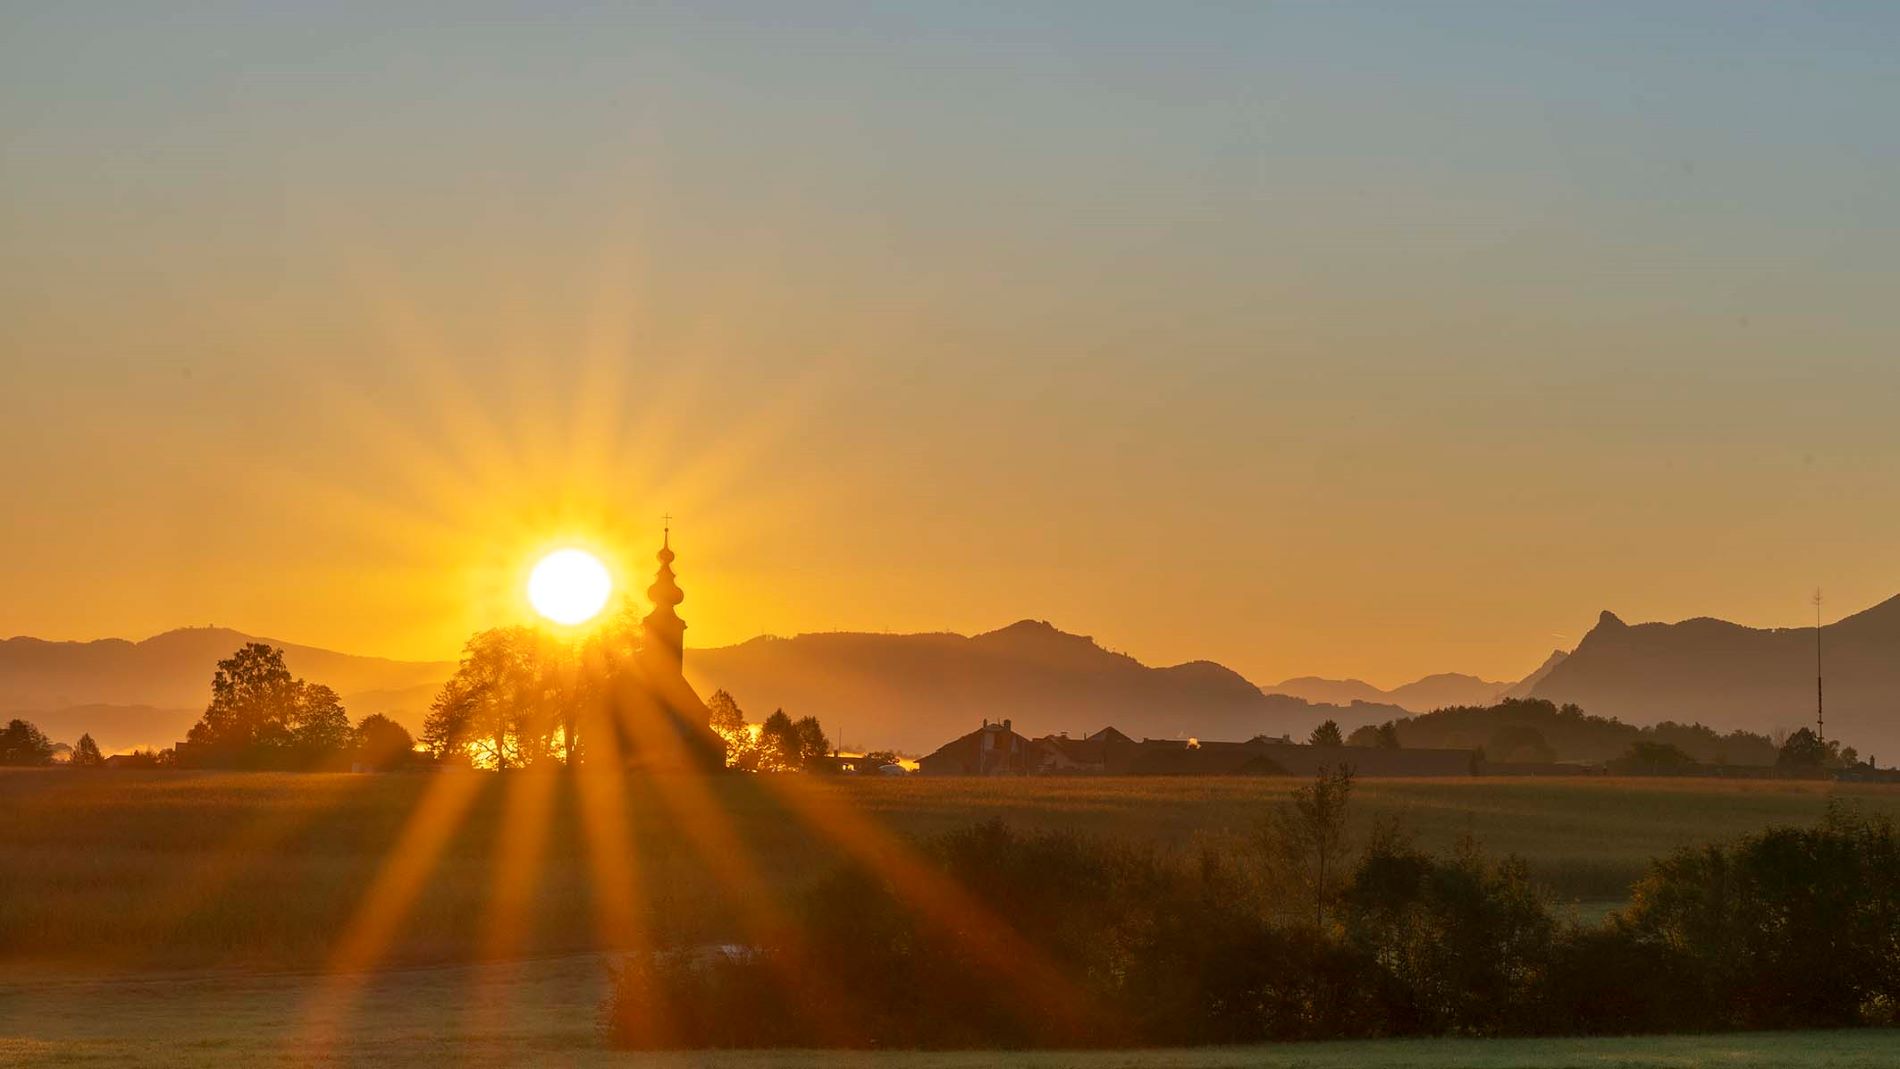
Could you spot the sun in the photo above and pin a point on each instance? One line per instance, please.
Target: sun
(569, 586)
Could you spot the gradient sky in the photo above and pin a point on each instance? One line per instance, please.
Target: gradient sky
(1316, 338)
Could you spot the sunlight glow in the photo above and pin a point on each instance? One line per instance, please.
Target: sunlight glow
(569, 586)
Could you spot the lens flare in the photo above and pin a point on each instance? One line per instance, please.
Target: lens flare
(569, 586)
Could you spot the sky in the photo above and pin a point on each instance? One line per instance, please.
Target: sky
(1338, 339)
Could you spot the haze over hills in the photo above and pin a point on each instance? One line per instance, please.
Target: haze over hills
(148, 693)
(1727, 675)
(1419, 696)
(916, 692)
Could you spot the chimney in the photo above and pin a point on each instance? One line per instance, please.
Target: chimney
(1006, 726)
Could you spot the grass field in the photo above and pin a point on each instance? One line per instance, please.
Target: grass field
(177, 919)
(542, 1013)
(169, 870)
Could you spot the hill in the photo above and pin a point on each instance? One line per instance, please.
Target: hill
(1535, 730)
(147, 693)
(1741, 677)
(916, 692)
(1421, 695)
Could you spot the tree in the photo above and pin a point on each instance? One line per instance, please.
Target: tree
(257, 708)
(812, 743)
(778, 743)
(319, 723)
(1805, 752)
(1327, 734)
(254, 701)
(1305, 842)
(382, 743)
(499, 708)
(86, 753)
(23, 744)
(728, 721)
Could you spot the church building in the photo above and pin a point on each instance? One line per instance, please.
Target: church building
(662, 721)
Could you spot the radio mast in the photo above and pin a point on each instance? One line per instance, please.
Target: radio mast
(1820, 719)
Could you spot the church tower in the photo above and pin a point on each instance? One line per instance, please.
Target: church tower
(665, 631)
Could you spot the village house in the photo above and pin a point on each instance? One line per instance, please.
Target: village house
(991, 750)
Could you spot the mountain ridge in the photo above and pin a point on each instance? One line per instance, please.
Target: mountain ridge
(1728, 674)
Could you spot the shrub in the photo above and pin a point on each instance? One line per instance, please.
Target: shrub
(1791, 927)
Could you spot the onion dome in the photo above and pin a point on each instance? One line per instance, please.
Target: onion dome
(665, 590)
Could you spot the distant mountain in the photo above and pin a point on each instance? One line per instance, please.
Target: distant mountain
(142, 693)
(1419, 696)
(1741, 677)
(1523, 687)
(916, 692)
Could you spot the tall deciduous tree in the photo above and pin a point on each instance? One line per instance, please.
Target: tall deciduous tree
(1327, 734)
(728, 721)
(1305, 842)
(23, 743)
(257, 705)
(319, 723)
(254, 701)
(503, 704)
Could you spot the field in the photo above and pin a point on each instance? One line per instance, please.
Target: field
(206, 908)
(171, 870)
(405, 1014)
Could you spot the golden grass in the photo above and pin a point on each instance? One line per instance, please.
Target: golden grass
(162, 870)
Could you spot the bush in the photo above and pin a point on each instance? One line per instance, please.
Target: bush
(1105, 944)
(1788, 928)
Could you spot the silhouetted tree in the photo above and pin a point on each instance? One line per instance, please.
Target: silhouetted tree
(1466, 939)
(499, 709)
(258, 708)
(728, 721)
(24, 744)
(382, 743)
(86, 753)
(778, 743)
(812, 743)
(1786, 928)
(1804, 752)
(321, 725)
(1327, 734)
(254, 701)
(1305, 842)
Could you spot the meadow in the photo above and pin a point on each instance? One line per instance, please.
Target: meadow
(541, 1013)
(178, 919)
(165, 870)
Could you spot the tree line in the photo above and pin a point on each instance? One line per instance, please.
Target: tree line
(518, 699)
(1314, 934)
(1537, 731)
